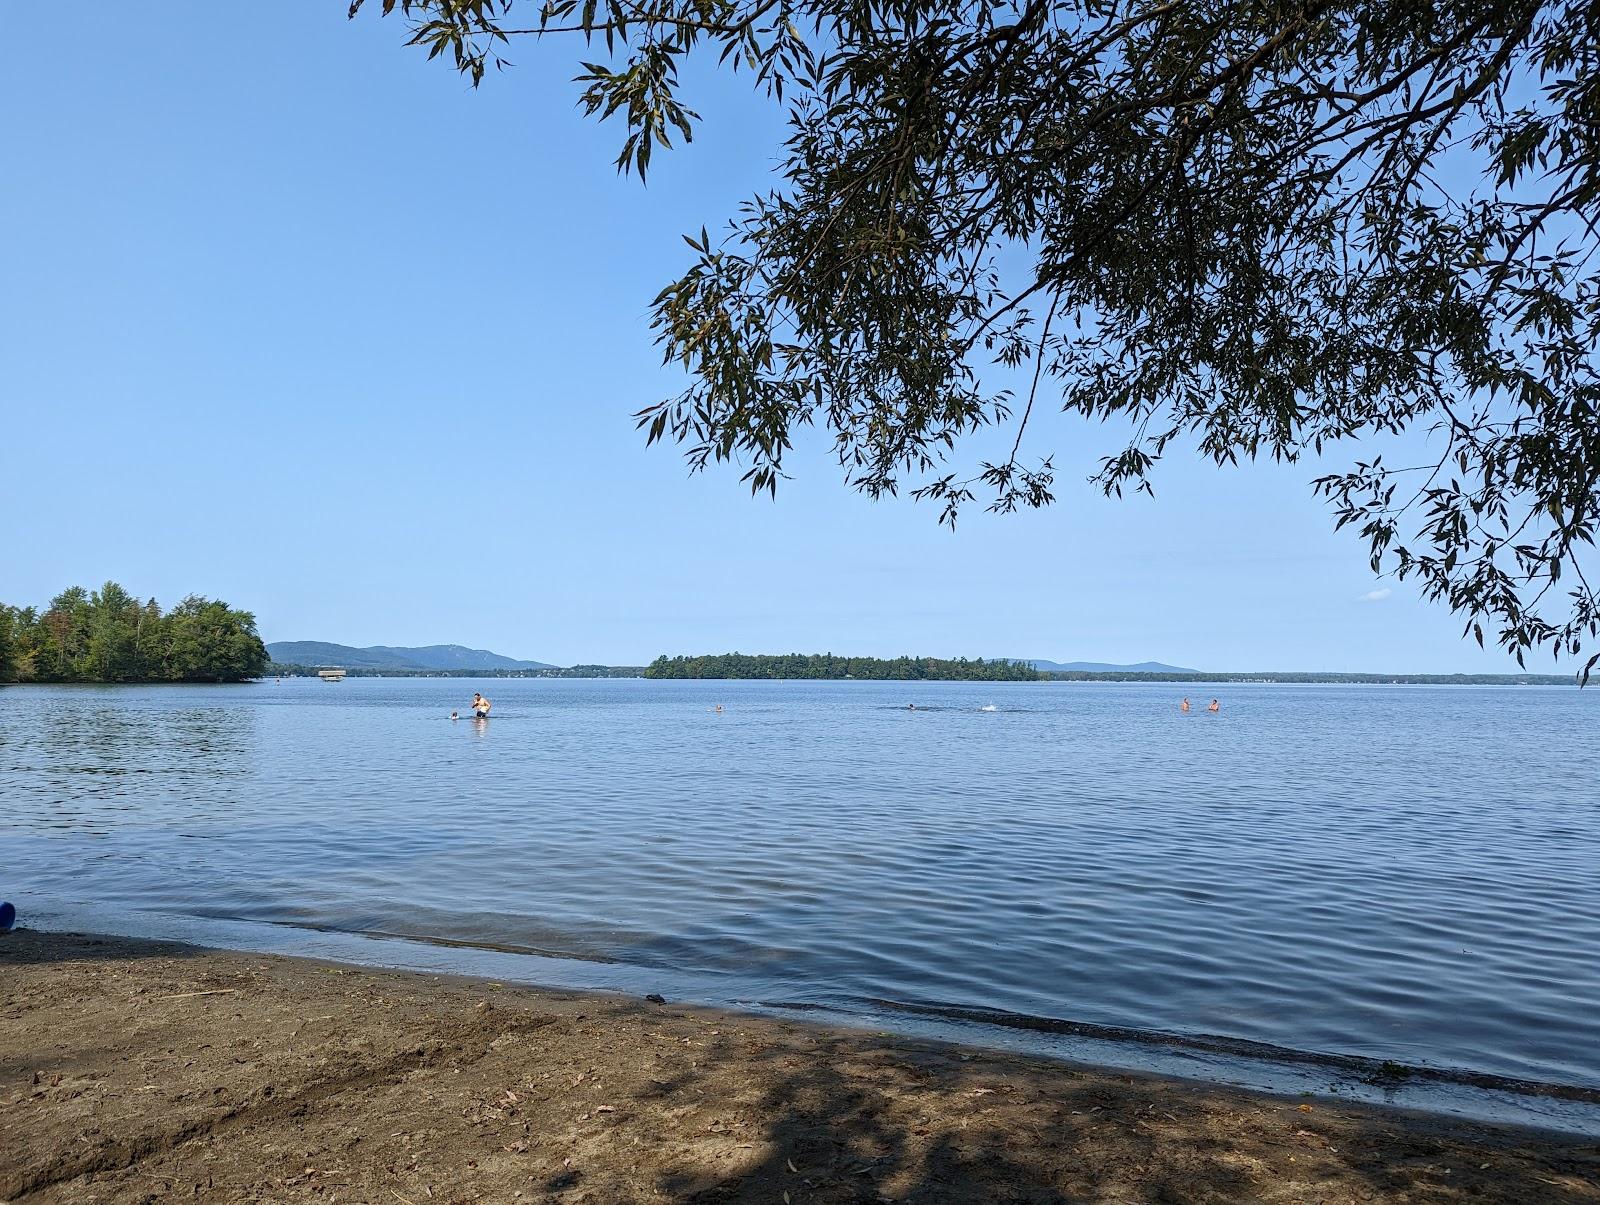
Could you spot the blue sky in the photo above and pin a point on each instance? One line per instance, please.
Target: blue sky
(295, 318)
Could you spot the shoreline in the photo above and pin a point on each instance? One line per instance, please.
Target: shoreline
(1206, 1059)
(132, 1069)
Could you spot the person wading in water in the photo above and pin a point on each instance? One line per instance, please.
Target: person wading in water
(480, 706)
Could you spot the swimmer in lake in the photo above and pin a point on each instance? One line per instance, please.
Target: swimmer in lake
(455, 715)
(1184, 706)
(480, 706)
(1213, 707)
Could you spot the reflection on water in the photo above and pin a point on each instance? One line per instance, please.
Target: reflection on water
(86, 760)
(1392, 873)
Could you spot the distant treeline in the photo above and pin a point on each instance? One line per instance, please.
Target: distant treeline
(826, 665)
(1330, 678)
(110, 636)
(284, 669)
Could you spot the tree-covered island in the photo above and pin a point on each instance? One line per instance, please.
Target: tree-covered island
(108, 635)
(826, 665)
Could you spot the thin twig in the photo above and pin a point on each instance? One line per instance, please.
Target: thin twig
(221, 991)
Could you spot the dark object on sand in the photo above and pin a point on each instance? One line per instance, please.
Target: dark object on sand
(8, 915)
(655, 999)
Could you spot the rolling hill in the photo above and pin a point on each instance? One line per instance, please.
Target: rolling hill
(383, 656)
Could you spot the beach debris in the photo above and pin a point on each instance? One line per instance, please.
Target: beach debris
(1304, 1108)
(792, 1167)
(656, 998)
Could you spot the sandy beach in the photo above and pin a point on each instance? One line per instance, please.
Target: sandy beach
(139, 1071)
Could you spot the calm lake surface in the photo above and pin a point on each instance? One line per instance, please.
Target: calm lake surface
(1400, 873)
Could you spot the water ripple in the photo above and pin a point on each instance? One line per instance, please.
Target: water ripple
(1370, 874)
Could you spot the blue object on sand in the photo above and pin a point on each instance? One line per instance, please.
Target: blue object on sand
(8, 916)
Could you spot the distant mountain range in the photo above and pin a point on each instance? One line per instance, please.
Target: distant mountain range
(383, 656)
(458, 657)
(1099, 667)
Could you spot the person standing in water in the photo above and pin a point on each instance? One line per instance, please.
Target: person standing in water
(1184, 706)
(480, 706)
(1213, 707)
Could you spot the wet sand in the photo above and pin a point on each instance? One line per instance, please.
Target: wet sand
(140, 1071)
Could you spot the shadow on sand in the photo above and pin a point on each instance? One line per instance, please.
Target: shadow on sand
(909, 1122)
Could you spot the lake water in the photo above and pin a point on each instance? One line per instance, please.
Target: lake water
(1391, 873)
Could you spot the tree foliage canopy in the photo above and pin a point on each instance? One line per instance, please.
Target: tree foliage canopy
(827, 666)
(1254, 228)
(107, 635)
